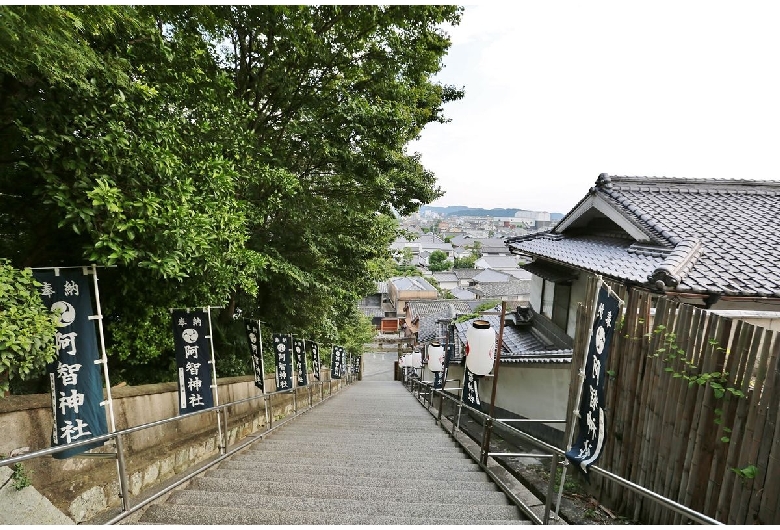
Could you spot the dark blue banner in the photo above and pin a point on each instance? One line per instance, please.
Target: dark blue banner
(255, 341)
(336, 362)
(448, 352)
(283, 358)
(191, 332)
(437, 380)
(471, 389)
(590, 439)
(315, 360)
(356, 364)
(76, 381)
(299, 347)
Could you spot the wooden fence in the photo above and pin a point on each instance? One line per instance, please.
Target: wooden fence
(692, 412)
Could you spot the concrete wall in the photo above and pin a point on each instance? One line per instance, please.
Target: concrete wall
(82, 487)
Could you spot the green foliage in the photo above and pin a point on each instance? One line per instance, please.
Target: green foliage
(467, 262)
(239, 156)
(20, 478)
(438, 261)
(747, 472)
(27, 328)
(674, 356)
(485, 306)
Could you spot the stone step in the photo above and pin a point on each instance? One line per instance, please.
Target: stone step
(470, 473)
(261, 459)
(355, 444)
(343, 491)
(366, 452)
(456, 508)
(421, 481)
(187, 514)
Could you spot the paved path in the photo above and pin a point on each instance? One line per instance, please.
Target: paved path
(368, 455)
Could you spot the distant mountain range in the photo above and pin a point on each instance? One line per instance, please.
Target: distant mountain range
(465, 211)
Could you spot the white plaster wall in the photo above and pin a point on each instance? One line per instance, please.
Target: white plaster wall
(578, 290)
(536, 293)
(532, 391)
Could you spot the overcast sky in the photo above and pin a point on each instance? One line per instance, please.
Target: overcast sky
(560, 91)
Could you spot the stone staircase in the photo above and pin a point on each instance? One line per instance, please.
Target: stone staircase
(369, 455)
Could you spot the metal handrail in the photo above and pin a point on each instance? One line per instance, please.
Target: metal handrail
(124, 491)
(556, 453)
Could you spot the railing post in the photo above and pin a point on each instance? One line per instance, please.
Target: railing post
(271, 410)
(265, 408)
(551, 488)
(295, 400)
(487, 427)
(225, 419)
(124, 491)
(488, 430)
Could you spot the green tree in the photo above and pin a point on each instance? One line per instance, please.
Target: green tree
(245, 156)
(467, 262)
(26, 327)
(438, 261)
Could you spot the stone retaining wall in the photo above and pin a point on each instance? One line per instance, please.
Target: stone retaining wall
(83, 487)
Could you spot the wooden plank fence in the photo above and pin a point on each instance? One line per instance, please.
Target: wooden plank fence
(693, 401)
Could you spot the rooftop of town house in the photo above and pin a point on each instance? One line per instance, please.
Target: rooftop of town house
(707, 236)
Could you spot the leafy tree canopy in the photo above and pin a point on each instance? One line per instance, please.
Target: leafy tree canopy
(241, 156)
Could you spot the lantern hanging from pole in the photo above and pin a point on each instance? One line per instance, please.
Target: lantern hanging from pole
(480, 347)
(435, 357)
(416, 359)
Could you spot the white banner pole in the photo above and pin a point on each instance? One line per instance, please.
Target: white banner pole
(120, 461)
(215, 387)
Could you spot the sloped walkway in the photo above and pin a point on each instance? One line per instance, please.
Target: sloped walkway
(369, 455)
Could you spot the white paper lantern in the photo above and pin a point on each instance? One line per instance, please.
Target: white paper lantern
(435, 357)
(480, 347)
(416, 359)
(406, 360)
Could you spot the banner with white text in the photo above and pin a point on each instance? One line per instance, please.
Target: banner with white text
(255, 340)
(191, 332)
(299, 347)
(76, 381)
(590, 439)
(283, 356)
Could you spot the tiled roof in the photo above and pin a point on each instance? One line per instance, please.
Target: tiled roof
(371, 311)
(462, 274)
(498, 289)
(518, 344)
(429, 312)
(419, 308)
(494, 262)
(690, 235)
(463, 294)
(411, 283)
(491, 276)
(445, 277)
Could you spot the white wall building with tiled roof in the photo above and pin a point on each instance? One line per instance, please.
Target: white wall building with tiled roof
(710, 243)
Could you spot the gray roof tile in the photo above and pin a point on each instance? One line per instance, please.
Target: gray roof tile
(719, 235)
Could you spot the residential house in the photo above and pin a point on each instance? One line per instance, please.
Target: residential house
(406, 288)
(711, 243)
(465, 276)
(463, 294)
(512, 291)
(535, 368)
(491, 246)
(498, 263)
(427, 320)
(446, 280)
(489, 276)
